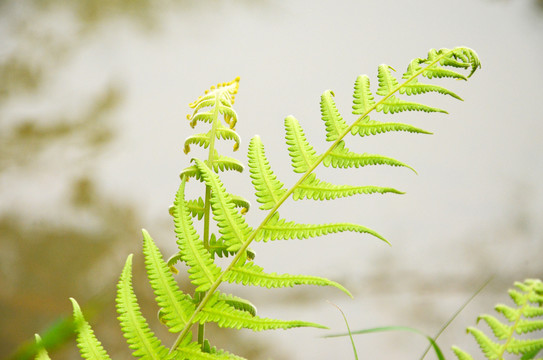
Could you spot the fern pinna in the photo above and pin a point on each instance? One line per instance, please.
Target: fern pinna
(184, 313)
(526, 318)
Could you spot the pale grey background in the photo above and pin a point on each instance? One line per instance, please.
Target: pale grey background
(473, 211)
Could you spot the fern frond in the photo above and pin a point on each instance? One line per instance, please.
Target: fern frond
(531, 291)
(89, 346)
(268, 189)
(225, 315)
(41, 352)
(231, 224)
(341, 157)
(335, 125)
(367, 127)
(302, 154)
(203, 271)
(362, 97)
(280, 229)
(134, 326)
(252, 274)
(176, 307)
(313, 188)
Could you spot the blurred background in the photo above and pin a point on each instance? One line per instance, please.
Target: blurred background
(93, 99)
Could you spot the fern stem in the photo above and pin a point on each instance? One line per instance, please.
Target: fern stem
(287, 194)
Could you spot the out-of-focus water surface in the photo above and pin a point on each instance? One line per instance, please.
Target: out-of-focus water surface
(93, 98)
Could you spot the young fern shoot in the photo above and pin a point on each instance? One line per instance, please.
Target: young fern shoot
(184, 313)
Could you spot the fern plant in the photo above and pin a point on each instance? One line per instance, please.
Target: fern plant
(231, 236)
(526, 318)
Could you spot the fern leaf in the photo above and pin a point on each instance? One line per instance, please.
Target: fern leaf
(501, 331)
(228, 134)
(414, 87)
(134, 326)
(269, 190)
(363, 98)
(232, 226)
(491, 349)
(201, 140)
(195, 207)
(252, 274)
(217, 247)
(241, 203)
(435, 72)
(462, 355)
(528, 326)
(89, 346)
(517, 297)
(193, 351)
(303, 155)
(395, 105)
(225, 315)
(510, 313)
(222, 163)
(41, 352)
(176, 307)
(335, 125)
(223, 354)
(313, 188)
(516, 346)
(367, 127)
(341, 157)
(387, 82)
(238, 303)
(279, 229)
(203, 271)
(531, 311)
(190, 172)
